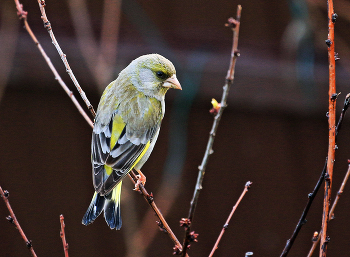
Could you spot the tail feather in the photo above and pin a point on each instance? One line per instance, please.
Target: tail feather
(95, 209)
(110, 204)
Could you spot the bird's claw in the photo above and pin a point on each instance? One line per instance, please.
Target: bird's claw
(141, 179)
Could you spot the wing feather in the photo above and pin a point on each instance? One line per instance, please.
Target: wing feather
(115, 152)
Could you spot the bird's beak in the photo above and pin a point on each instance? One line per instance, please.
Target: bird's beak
(172, 82)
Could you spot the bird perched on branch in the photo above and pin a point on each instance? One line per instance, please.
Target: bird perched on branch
(126, 129)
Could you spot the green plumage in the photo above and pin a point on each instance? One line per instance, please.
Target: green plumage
(126, 128)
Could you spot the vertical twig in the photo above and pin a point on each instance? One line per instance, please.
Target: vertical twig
(246, 188)
(316, 237)
(12, 218)
(331, 126)
(63, 236)
(234, 24)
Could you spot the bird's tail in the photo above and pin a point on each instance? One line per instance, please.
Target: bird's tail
(110, 204)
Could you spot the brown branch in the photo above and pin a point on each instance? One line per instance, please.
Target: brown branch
(332, 127)
(163, 225)
(246, 188)
(312, 195)
(234, 24)
(63, 236)
(12, 218)
(48, 27)
(316, 239)
(23, 15)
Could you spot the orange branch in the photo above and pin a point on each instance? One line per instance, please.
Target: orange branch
(63, 236)
(332, 129)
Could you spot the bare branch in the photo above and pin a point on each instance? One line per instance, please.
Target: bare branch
(312, 195)
(246, 188)
(12, 219)
(48, 27)
(163, 225)
(316, 237)
(234, 24)
(23, 15)
(332, 94)
(63, 236)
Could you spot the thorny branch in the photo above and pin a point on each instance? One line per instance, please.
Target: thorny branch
(12, 219)
(234, 24)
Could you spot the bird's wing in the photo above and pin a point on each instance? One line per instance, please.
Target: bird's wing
(116, 150)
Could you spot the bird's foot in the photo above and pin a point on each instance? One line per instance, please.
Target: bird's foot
(141, 179)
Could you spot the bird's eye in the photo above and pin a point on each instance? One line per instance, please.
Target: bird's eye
(161, 74)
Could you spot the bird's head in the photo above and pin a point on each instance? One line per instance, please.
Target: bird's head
(153, 75)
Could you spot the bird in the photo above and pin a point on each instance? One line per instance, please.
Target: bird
(126, 128)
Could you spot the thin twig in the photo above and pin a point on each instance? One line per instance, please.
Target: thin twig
(23, 15)
(312, 195)
(48, 27)
(339, 193)
(234, 24)
(316, 239)
(12, 218)
(63, 236)
(342, 115)
(302, 219)
(162, 222)
(246, 188)
(331, 126)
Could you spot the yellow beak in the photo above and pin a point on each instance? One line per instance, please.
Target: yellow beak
(172, 82)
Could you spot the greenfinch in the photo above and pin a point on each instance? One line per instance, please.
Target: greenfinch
(126, 128)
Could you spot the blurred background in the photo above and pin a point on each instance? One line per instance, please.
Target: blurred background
(273, 133)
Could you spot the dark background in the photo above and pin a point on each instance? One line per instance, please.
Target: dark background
(273, 133)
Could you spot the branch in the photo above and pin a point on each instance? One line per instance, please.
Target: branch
(12, 219)
(312, 195)
(163, 225)
(332, 133)
(48, 27)
(63, 236)
(316, 237)
(23, 15)
(246, 188)
(234, 24)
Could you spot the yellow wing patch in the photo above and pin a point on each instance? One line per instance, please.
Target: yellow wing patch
(141, 155)
(117, 128)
